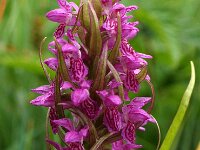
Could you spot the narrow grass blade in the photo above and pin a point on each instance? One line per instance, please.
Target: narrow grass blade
(174, 128)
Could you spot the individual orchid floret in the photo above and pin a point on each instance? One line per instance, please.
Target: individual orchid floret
(112, 117)
(135, 118)
(64, 14)
(82, 100)
(72, 136)
(47, 97)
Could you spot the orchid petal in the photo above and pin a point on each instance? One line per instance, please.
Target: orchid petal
(42, 89)
(66, 123)
(73, 136)
(58, 15)
(79, 95)
(52, 63)
(46, 100)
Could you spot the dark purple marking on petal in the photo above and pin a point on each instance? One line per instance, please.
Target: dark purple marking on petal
(130, 8)
(73, 136)
(90, 108)
(65, 5)
(112, 119)
(126, 49)
(129, 132)
(78, 69)
(131, 82)
(60, 31)
(110, 24)
(53, 116)
(75, 146)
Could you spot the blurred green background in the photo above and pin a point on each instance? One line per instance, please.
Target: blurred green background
(169, 31)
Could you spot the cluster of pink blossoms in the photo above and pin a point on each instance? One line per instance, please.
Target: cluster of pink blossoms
(95, 70)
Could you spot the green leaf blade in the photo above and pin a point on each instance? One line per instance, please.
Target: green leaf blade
(174, 128)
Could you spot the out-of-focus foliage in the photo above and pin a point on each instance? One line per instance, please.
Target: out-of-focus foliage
(169, 31)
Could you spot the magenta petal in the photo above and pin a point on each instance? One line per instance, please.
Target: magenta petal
(66, 123)
(119, 8)
(139, 102)
(78, 70)
(53, 116)
(69, 48)
(66, 85)
(46, 100)
(130, 8)
(57, 15)
(73, 136)
(113, 100)
(60, 31)
(126, 49)
(42, 89)
(131, 63)
(51, 45)
(126, 97)
(131, 82)
(86, 84)
(79, 95)
(90, 108)
(139, 117)
(120, 145)
(128, 133)
(131, 146)
(74, 6)
(114, 84)
(103, 94)
(64, 5)
(141, 55)
(112, 119)
(76, 146)
(52, 63)
(84, 131)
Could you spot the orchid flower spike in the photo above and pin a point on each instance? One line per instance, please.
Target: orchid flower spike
(96, 69)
